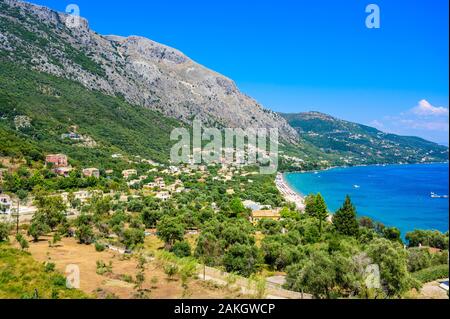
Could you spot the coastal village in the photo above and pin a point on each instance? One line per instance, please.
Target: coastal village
(145, 179)
(157, 188)
(158, 181)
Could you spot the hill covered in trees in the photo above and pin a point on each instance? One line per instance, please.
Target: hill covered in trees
(344, 142)
(37, 109)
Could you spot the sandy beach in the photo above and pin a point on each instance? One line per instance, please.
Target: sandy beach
(289, 194)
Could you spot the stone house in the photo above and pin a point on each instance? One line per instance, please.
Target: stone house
(91, 172)
(57, 160)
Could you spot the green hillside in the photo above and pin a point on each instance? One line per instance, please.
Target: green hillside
(21, 277)
(350, 143)
(54, 104)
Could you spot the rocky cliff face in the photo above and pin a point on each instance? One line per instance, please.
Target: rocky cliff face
(142, 71)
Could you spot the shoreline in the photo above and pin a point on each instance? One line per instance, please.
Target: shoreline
(288, 193)
(300, 194)
(360, 165)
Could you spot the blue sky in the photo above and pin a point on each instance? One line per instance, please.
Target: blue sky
(298, 55)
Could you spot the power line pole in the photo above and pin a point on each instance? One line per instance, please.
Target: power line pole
(17, 216)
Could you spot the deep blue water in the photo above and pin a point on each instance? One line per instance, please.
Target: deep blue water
(396, 195)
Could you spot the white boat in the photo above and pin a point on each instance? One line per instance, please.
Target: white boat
(434, 195)
(356, 186)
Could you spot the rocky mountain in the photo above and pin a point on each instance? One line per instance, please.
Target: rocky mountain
(143, 72)
(126, 94)
(354, 143)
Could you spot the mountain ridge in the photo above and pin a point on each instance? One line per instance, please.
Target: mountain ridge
(159, 78)
(141, 70)
(357, 143)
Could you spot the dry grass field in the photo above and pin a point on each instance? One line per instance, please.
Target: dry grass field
(119, 283)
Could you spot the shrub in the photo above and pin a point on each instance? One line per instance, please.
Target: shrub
(187, 271)
(132, 237)
(4, 231)
(431, 273)
(99, 247)
(181, 249)
(242, 259)
(85, 234)
(427, 238)
(418, 259)
(59, 280)
(126, 278)
(49, 267)
(103, 268)
(171, 270)
(154, 281)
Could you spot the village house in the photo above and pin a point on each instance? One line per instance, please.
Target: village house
(63, 171)
(186, 170)
(253, 206)
(57, 160)
(180, 189)
(133, 182)
(5, 204)
(150, 186)
(230, 191)
(128, 173)
(150, 162)
(265, 214)
(174, 169)
(126, 198)
(178, 182)
(176, 187)
(71, 136)
(160, 182)
(91, 172)
(163, 196)
(83, 196)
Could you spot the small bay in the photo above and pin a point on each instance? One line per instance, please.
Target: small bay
(395, 195)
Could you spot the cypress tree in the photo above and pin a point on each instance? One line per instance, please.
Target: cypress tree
(310, 205)
(344, 220)
(321, 210)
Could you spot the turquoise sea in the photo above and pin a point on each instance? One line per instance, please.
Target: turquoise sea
(396, 195)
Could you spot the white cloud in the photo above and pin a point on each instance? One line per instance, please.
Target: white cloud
(424, 120)
(424, 108)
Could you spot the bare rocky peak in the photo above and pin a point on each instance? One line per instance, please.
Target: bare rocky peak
(144, 72)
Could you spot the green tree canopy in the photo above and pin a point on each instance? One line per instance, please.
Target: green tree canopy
(345, 221)
(316, 275)
(392, 261)
(242, 259)
(170, 230)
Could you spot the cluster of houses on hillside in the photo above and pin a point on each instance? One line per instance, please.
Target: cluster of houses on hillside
(163, 191)
(59, 164)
